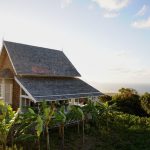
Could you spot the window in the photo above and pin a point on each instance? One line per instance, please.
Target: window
(1, 96)
(1, 89)
(8, 87)
(25, 102)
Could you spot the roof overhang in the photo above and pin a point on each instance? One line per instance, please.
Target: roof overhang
(52, 89)
(27, 92)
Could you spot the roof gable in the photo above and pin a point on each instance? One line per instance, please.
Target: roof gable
(6, 66)
(38, 61)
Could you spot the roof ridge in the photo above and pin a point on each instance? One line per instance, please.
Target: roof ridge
(45, 48)
(34, 60)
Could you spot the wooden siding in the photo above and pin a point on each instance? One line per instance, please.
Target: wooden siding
(16, 95)
(5, 62)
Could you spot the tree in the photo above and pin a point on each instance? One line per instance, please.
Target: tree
(46, 112)
(32, 124)
(145, 102)
(60, 118)
(105, 110)
(7, 120)
(105, 98)
(81, 114)
(128, 91)
(128, 101)
(91, 112)
(76, 114)
(29, 127)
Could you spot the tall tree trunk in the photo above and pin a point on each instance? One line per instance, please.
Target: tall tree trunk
(38, 143)
(4, 146)
(62, 127)
(47, 139)
(78, 127)
(83, 130)
(12, 141)
(60, 134)
(107, 122)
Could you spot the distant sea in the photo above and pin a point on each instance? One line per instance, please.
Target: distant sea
(114, 87)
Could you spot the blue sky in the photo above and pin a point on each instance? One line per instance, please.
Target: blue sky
(107, 40)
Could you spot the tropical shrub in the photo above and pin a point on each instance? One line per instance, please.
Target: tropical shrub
(105, 98)
(128, 101)
(7, 120)
(145, 102)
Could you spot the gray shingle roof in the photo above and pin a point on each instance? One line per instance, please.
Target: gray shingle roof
(57, 88)
(32, 60)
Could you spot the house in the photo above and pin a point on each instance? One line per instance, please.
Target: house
(30, 74)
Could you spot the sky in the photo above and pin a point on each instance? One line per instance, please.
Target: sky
(108, 41)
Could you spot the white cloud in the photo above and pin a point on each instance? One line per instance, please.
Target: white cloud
(121, 53)
(142, 23)
(124, 64)
(91, 7)
(110, 14)
(142, 11)
(112, 5)
(65, 3)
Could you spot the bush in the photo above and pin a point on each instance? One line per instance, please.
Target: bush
(145, 102)
(105, 98)
(128, 101)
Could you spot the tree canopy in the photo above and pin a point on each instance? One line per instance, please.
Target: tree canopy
(145, 102)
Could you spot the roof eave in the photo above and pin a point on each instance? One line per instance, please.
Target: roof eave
(38, 75)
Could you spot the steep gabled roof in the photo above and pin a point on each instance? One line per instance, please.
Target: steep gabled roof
(38, 61)
(56, 88)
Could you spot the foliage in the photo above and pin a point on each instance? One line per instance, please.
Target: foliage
(7, 120)
(74, 114)
(128, 91)
(32, 124)
(128, 101)
(105, 98)
(100, 121)
(145, 102)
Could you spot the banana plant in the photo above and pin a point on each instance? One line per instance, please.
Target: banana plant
(60, 118)
(105, 110)
(81, 115)
(48, 113)
(75, 113)
(36, 123)
(39, 128)
(7, 120)
(29, 121)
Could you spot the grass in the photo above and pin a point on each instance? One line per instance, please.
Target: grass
(127, 139)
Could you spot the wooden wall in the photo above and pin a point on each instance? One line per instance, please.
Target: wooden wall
(5, 63)
(16, 95)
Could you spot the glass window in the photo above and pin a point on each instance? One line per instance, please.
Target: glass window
(1, 91)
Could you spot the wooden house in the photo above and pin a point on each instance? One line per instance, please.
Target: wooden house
(30, 74)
